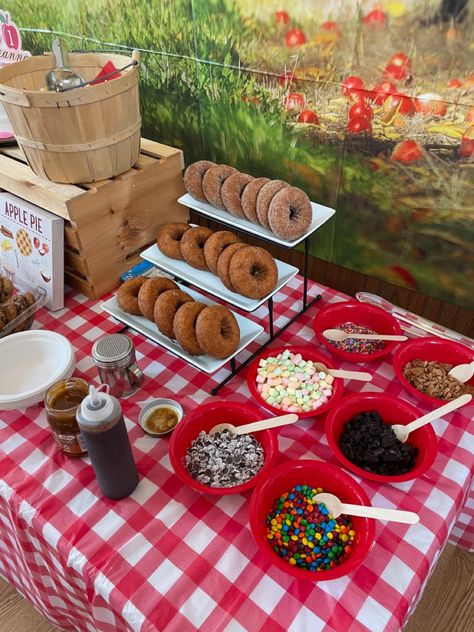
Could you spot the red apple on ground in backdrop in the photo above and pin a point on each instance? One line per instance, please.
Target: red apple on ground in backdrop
(375, 18)
(294, 101)
(430, 104)
(358, 125)
(331, 26)
(454, 83)
(380, 92)
(398, 73)
(469, 118)
(353, 87)
(399, 103)
(406, 152)
(10, 33)
(468, 82)
(308, 116)
(286, 78)
(282, 17)
(295, 37)
(466, 148)
(360, 109)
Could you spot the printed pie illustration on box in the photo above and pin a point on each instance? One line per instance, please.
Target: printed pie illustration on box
(32, 247)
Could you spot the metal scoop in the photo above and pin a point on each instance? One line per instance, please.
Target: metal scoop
(62, 78)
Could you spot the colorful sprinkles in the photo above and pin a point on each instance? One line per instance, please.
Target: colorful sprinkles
(353, 345)
(292, 384)
(305, 534)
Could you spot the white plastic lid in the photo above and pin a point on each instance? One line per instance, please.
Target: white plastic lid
(96, 408)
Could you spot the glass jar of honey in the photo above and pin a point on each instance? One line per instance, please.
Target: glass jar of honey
(62, 401)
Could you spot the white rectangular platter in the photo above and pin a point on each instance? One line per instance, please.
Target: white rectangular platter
(321, 214)
(248, 332)
(211, 283)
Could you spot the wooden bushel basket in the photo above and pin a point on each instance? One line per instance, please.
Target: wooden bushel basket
(81, 135)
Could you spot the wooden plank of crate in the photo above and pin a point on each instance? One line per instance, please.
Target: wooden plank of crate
(162, 151)
(14, 152)
(75, 262)
(71, 237)
(19, 179)
(81, 285)
(129, 205)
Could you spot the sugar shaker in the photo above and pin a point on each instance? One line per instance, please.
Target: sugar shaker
(114, 356)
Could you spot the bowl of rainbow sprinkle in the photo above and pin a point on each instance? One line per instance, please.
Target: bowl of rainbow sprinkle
(357, 318)
(295, 380)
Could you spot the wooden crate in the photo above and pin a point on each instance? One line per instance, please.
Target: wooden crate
(107, 223)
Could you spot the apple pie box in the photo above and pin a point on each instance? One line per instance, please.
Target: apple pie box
(32, 247)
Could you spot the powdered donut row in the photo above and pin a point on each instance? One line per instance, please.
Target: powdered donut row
(197, 327)
(274, 204)
(246, 270)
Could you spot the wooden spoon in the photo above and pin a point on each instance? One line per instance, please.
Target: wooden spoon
(462, 372)
(402, 431)
(255, 426)
(336, 508)
(362, 376)
(338, 335)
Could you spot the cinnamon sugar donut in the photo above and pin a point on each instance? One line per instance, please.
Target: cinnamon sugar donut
(249, 198)
(192, 246)
(253, 272)
(290, 213)
(264, 198)
(232, 190)
(150, 291)
(166, 306)
(193, 178)
(217, 331)
(184, 326)
(169, 237)
(223, 264)
(215, 245)
(212, 183)
(127, 295)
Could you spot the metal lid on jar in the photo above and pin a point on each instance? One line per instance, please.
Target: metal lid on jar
(112, 348)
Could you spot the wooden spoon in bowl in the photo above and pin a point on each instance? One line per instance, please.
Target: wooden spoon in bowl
(338, 335)
(336, 508)
(402, 431)
(362, 376)
(462, 372)
(255, 426)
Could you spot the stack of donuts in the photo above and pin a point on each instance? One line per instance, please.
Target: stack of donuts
(247, 270)
(284, 210)
(199, 328)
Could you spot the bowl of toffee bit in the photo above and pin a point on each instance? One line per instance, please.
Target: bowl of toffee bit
(422, 366)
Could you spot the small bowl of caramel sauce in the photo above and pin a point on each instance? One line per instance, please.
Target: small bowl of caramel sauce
(160, 416)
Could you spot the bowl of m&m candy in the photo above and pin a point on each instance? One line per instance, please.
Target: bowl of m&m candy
(295, 380)
(299, 535)
(356, 318)
(223, 462)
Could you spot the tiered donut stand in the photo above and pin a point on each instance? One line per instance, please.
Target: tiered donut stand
(214, 287)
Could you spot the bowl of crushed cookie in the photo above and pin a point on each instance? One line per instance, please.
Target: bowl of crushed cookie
(160, 417)
(422, 366)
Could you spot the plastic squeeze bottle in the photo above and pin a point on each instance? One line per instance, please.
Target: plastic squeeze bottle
(102, 427)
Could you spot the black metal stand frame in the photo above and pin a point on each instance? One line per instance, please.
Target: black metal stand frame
(234, 368)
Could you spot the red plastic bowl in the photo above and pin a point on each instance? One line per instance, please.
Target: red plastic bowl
(393, 411)
(362, 314)
(307, 353)
(206, 416)
(318, 474)
(430, 348)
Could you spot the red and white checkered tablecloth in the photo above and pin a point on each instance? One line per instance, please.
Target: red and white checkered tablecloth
(168, 558)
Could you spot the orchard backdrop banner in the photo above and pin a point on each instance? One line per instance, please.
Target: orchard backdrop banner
(367, 106)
